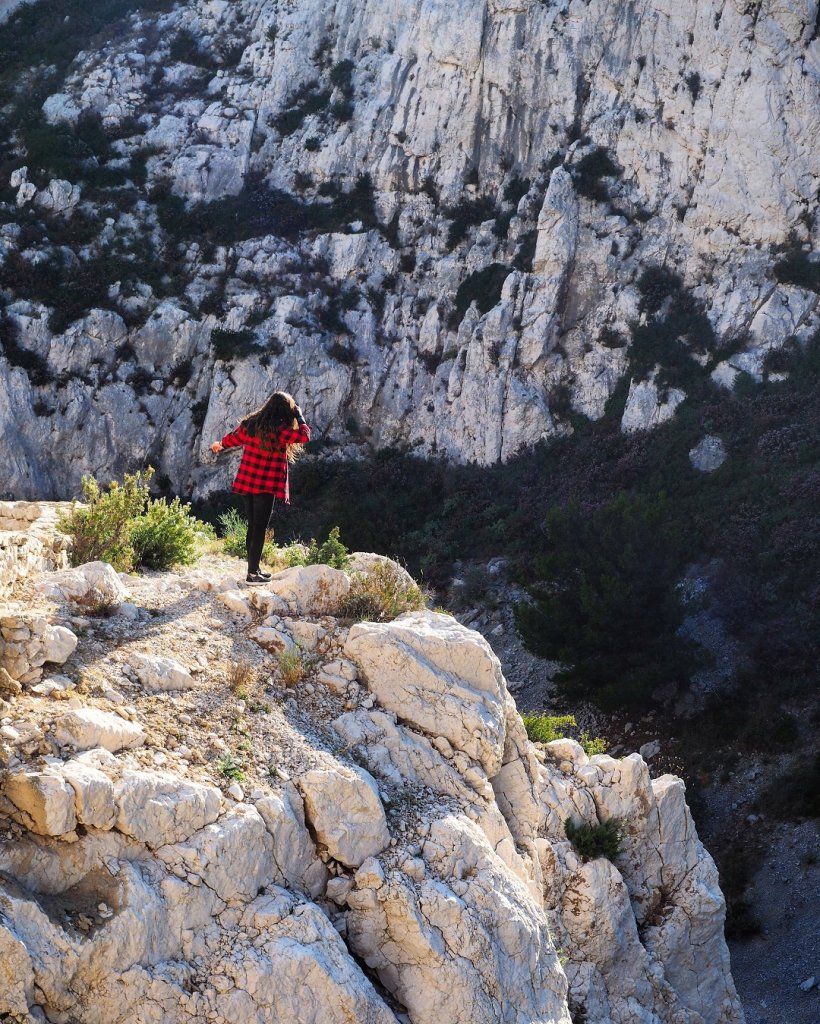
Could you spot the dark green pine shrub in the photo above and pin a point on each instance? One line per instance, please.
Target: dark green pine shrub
(229, 345)
(607, 604)
(593, 841)
(797, 269)
(465, 215)
(590, 171)
(482, 287)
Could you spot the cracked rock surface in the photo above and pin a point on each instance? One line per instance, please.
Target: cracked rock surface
(379, 843)
(473, 128)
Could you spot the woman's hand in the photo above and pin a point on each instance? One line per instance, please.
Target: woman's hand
(216, 447)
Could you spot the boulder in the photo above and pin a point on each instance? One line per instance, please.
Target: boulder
(159, 808)
(708, 454)
(59, 644)
(158, 674)
(41, 800)
(89, 585)
(294, 852)
(438, 676)
(272, 639)
(310, 589)
(86, 728)
(236, 602)
(233, 855)
(464, 942)
(93, 794)
(345, 813)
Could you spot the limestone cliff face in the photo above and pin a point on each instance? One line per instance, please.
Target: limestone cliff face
(561, 148)
(392, 815)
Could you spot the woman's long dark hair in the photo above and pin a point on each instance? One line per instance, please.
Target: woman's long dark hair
(266, 422)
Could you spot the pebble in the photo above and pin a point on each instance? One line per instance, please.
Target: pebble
(808, 984)
(235, 792)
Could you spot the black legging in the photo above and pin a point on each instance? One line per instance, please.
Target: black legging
(258, 508)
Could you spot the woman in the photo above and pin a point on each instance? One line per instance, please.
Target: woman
(270, 437)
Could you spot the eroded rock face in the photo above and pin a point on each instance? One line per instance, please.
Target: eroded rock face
(708, 116)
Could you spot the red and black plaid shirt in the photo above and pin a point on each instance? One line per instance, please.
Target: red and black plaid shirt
(263, 470)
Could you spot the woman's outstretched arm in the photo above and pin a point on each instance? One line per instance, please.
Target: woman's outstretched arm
(234, 439)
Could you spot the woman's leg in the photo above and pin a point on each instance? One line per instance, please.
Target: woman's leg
(249, 515)
(262, 504)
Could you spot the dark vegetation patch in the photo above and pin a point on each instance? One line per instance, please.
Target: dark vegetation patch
(56, 30)
(465, 215)
(608, 608)
(260, 210)
(591, 171)
(230, 345)
(797, 269)
(482, 287)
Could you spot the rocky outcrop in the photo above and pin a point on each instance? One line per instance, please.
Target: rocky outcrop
(388, 813)
(526, 162)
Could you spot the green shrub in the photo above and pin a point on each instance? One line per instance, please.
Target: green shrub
(101, 531)
(309, 99)
(546, 728)
(234, 533)
(467, 214)
(381, 595)
(797, 269)
(592, 744)
(330, 552)
(228, 345)
(608, 607)
(165, 535)
(124, 526)
(593, 841)
(231, 768)
(341, 76)
(293, 666)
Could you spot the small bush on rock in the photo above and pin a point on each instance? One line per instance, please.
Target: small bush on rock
(164, 535)
(235, 537)
(292, 667)
(331, 552)
(593, 841)
(546, 728)
(381, 595)
(124, 526)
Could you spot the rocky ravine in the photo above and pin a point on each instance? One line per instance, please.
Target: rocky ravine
(394, 852)
(536, 157)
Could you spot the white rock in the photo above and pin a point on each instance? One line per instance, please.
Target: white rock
(158, 674)
(708, 454)
(93, 794)
(42, 801)
(647, 405)
(159, 807)
(311, 589)
(345, 813)
(439, 676)
(86, 728)
(58, 197)
(236, 602)
(272, 639)
(90, 584)
(60, 644)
